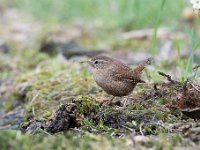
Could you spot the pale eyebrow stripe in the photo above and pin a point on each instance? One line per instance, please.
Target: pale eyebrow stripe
(101, 60)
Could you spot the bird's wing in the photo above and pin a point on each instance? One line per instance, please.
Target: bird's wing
(125, 74)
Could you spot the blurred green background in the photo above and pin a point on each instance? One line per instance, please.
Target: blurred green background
(128, 14)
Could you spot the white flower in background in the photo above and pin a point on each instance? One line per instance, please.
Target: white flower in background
(196, 5)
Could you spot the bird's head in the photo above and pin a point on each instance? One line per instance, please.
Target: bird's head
(99, 62)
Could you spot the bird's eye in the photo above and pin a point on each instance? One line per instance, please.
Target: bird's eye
(96, 62)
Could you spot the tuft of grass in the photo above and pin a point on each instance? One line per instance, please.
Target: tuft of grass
(190, 63)
(157, 24)
(187, 66)
(180, 62)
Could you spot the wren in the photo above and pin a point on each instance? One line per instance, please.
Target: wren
(115, 77)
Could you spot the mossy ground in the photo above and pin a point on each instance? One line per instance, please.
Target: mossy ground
(55, 82)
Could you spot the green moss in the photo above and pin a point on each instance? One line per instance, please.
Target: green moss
(171, 141)
(8, 106)
(87, 105)
(18, 141)
(48, 115)
(161, 101)
(110, 119)
(26, 55)
(55, 80)
(73, 140)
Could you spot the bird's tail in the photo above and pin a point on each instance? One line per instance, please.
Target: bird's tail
(138, 70)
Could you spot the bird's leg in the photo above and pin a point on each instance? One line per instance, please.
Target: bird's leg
(125, 101)
(108, 102)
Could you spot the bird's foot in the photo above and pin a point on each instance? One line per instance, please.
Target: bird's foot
(107, 102)
(104, 101)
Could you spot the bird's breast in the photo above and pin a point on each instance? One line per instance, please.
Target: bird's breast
(111, 86)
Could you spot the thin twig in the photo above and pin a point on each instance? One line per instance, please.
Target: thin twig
(35, 96)
(196, 67)
(195, 87)
(127, 128)
(141, 129)
(169, 78)
(33, 111)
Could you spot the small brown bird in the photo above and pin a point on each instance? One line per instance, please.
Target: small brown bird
(114, 77)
